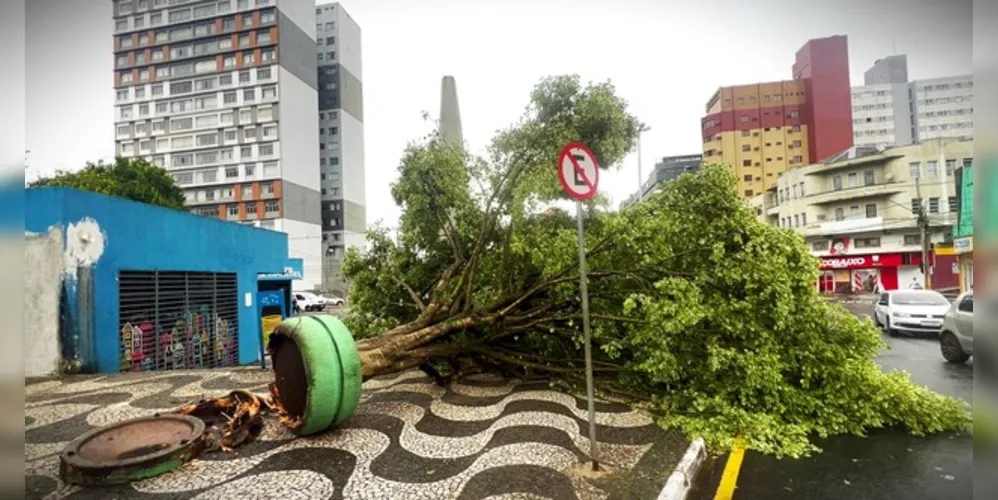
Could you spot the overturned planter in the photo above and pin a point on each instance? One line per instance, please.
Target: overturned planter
(317, 372)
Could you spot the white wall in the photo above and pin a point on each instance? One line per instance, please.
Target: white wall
(300, 12)
(356, 240)
(298, 131)
(348, 43)
(43, 259)
(352, 158)
(906, 273)
(304, 242)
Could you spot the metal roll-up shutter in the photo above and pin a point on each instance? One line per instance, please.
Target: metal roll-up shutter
(173, 320)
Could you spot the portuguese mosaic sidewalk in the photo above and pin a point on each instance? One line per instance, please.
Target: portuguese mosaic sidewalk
(480, 437)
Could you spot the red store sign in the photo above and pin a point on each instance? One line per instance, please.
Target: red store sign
(862, 261)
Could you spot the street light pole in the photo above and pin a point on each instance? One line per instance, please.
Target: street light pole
(641, 180)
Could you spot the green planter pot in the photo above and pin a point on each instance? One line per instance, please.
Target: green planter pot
(317, 371)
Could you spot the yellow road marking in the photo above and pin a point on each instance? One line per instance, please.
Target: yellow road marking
(729, 479)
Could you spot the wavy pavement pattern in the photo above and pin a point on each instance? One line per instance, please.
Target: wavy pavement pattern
(482, 398)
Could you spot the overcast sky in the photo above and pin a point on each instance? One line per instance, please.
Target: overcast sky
(666, 57)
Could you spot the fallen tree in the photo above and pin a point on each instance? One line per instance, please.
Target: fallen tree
(699, 311)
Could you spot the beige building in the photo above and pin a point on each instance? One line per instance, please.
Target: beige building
(857, 211)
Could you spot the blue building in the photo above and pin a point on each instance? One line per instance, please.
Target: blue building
(148, 288)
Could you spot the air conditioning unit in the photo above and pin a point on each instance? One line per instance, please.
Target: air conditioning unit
(889, 177)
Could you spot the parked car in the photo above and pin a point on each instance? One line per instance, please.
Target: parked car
(911, 312)
(334, 300)
(957, 338)
(307, 301)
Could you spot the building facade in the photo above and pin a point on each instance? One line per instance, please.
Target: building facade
(221, 94)
(341, 139)
(667, 169)
(762, 130)
(963, 230)
(891, 111)
(857, 212)
(146, 288)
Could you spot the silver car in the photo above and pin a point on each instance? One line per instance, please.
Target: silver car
(911, 312)
(957, 338)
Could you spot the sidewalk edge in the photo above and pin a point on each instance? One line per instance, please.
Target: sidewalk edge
(681, 480)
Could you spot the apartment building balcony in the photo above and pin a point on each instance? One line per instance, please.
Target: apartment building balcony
(856, 193)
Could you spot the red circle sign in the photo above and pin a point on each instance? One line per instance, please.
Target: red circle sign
(578, 171)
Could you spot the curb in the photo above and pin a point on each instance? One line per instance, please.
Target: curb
(681, 480)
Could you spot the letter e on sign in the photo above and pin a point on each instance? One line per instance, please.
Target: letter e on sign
(578, 171)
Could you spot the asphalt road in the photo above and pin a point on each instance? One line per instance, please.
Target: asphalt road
(885, 465)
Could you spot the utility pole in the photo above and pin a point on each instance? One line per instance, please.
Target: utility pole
(642, 128)
(923, 224)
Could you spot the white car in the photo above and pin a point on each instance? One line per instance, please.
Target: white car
(334, 300)
(911, 311)
(957, 339)
(308, 301)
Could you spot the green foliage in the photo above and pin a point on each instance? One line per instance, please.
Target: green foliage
(708, 312)
(130, 178)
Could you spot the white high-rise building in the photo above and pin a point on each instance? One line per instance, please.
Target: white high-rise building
(891, 111)
(341, 139)
(223, 94)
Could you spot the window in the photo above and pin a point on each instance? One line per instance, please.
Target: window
(934, 205)
(803, 219)
(229, 62)
(967, 162)
(335, 160)
(967, 304)
(122, 95)
(157, 89)
(245, 116)
(915, 204)
(793, 192)
(330, 56)
(229, 98)
(121, 25)
(251, 210)
(245, 152)
(914, 170)
(233, 210)
(866, 242)
(249, 95)
(263, 74)
(244, 77)
(746, 147)
(932, 169)
(747, 178)
(796, 220)
(840, 213)
(269, 92)
(837, 183)
(746, 163)
(249, 133)
(271, 206)
(950, 167)
(247, 192)
(249, 170)
(953, 203)
(230, 135)
(912, 239)
(244, 40)
(182, 160)
(183, 178)
(264, 114)
(267, 55)
(868, 179)
(127, 77)
(743, 118)
(248, 59)
(267, 17)
(225, 80)
(820, 246)
(263, 37)
(267, 150)
(748, 192)
(851, 178)
(226, 118)
(267, 188)
(270, 132)
(871, 210)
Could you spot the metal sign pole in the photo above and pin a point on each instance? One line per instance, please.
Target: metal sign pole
(584, 290)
